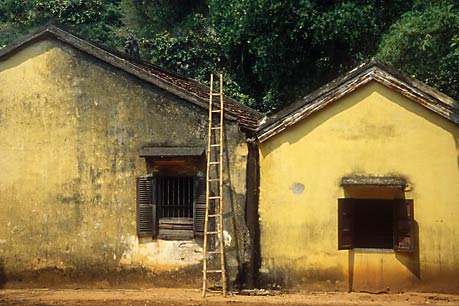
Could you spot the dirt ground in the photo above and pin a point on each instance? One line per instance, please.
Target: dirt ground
(192, 297)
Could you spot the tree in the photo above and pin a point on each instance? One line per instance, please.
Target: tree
(281, 50)
(178, 35)
(423, 43)
(97, 20)
(272, 52)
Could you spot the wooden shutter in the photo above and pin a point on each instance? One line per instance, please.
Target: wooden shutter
(146, 207)
(199, 206)
(345, 221)
(403, 226)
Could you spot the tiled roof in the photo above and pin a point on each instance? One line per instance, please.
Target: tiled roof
(175, 83)
(249, 119)
(411, 88)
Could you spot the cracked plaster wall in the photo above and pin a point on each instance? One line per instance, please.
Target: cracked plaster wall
(71, 129)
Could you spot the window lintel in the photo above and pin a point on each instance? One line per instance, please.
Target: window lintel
(163, 151)
(374, 181)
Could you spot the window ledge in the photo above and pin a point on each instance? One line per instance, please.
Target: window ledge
(371, 250)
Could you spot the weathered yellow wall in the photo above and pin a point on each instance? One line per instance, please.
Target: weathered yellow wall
(372, 131)
(71, 129)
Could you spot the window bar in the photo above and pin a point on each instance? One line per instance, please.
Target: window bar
(187, 200)
(166, 181)
(173, 198)
(158, 195)
(176, 202)
(183, 196)
(192, 191)
(176, 197)
(171, 195)
(166, 196)
(179, 201)
(190, 183)
(163, 195)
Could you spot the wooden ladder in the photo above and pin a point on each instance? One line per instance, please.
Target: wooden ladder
(214, 202)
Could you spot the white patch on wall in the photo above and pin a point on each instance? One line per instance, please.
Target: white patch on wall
(160, 254)
(227, 238)
(297, 188)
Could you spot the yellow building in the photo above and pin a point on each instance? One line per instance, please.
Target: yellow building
(355, 187)
(359, 187)
(79, 123)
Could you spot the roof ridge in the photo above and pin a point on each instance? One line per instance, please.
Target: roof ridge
(177, 84)
(373, 70)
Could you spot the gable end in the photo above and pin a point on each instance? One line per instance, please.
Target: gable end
(413, 89)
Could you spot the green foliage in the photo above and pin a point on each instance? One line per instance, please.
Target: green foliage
(423, 43)
(272, 52)
(97, 20)
(193, 52)
(281, 50)
(178, 35)
(153, 16)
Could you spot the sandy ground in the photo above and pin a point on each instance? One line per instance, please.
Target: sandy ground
(191, 297)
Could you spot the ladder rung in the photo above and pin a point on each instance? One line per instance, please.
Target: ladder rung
(213, 232)
(215, 128)
(215, 145)
(213, 271)
(213, 252)
(213, 180)
(214, 163)
(213, 216)
(215, 94)
(216, 111)
(214, 197)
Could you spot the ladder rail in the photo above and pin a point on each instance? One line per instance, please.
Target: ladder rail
(222, 245)
(206, 219)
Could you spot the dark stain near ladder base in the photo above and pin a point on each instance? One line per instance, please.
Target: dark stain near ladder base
(3, 278)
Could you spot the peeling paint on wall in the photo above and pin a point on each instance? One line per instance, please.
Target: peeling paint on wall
(71, 129)
(375, 132)
(297, 188)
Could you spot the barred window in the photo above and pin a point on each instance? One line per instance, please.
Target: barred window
(175, 196)
(170, 207)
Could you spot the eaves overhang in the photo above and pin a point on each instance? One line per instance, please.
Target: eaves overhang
(413, 89)
(176, 84)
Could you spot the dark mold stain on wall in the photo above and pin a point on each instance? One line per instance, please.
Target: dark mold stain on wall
(77, 213)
